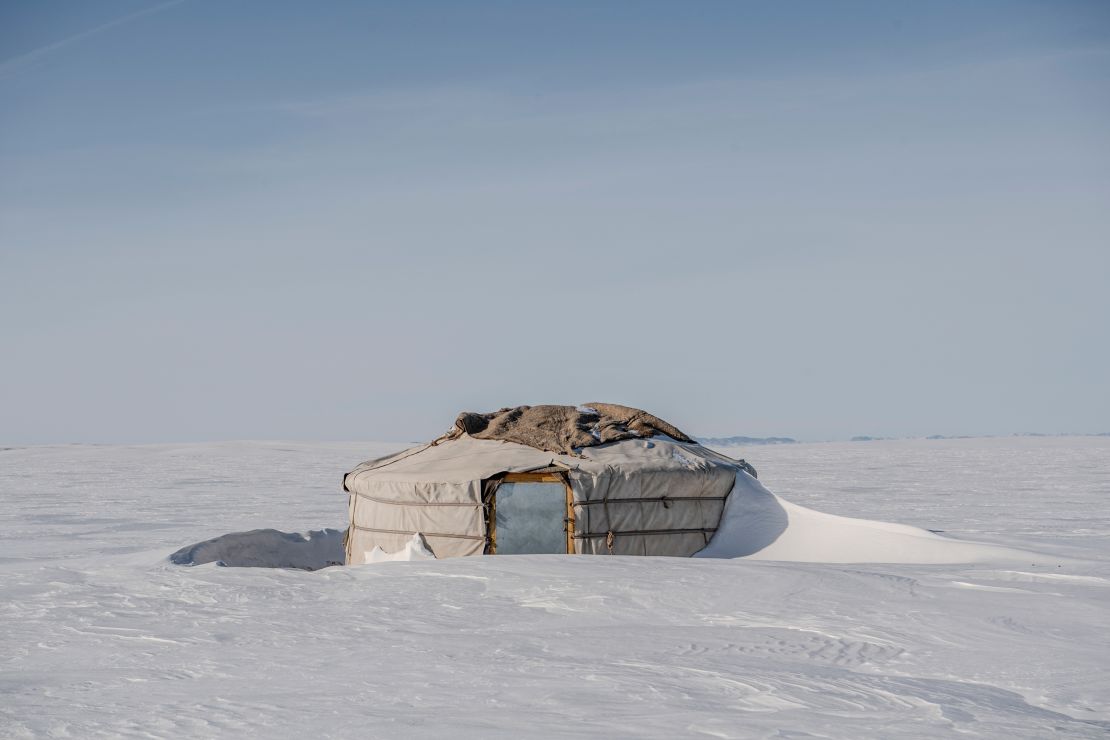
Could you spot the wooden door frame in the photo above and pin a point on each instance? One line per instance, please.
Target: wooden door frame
(568, 521)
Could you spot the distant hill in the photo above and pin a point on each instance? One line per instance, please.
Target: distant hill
(738, 441)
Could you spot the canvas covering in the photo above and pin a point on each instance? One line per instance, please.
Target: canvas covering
(656, 495)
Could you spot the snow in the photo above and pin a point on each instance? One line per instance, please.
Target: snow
(104, 635)
(414, 549)
(758, 524)
(267, 548)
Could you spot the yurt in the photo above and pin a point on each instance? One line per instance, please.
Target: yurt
(593, 479)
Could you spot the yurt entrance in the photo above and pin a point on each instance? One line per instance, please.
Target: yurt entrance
(531, 513)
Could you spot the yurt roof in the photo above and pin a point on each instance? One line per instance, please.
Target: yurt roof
(620, 440)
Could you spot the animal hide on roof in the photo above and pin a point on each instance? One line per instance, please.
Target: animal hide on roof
(564, 429)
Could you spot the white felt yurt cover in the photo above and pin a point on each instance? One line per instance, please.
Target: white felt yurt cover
(642, 496)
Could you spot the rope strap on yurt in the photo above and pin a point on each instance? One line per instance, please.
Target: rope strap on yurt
(665, 500)
(612, 534)
(426, 534)
(394, 502)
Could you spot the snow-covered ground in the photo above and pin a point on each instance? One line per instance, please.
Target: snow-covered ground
(102, 635)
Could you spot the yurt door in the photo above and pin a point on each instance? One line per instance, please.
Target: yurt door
(530, 515)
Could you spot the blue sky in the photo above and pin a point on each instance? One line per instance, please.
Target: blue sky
(326, 220)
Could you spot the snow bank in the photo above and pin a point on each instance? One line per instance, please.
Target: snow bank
(415, 549)
(267, 548)
(759, 525)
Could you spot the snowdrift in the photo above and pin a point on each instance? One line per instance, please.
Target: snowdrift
(267, 548)
(759, 525)
(415, 549)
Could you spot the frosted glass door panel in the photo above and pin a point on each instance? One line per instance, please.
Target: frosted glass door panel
(530, 518)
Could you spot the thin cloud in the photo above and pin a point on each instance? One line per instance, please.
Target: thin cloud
(10, 66)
